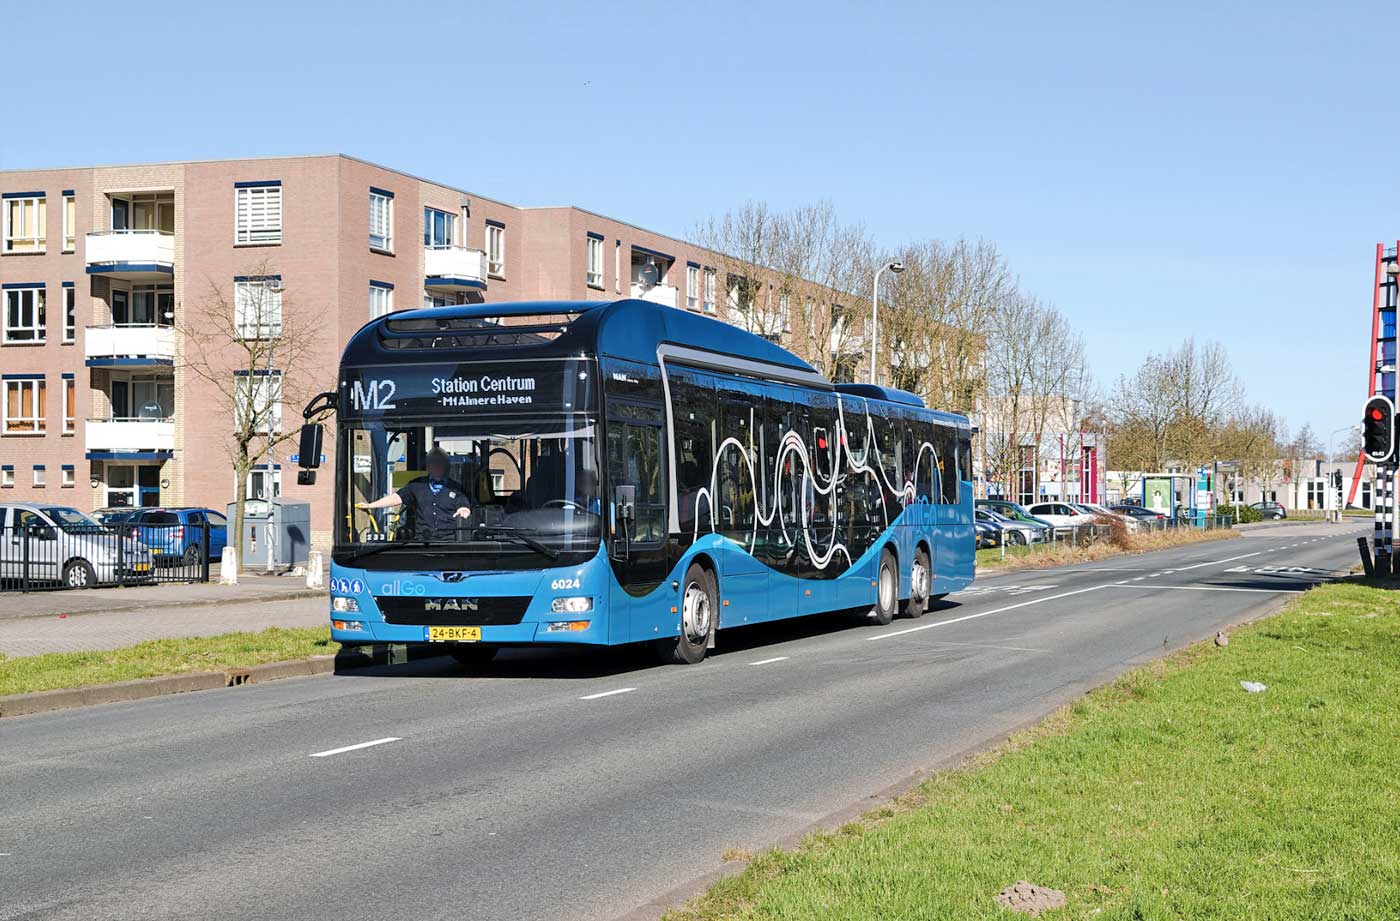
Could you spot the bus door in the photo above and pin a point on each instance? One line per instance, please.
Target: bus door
(738, 494)
(637, 538)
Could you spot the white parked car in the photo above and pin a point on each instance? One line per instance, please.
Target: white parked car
(57, 544)
(1100, 512)
(1061, 514)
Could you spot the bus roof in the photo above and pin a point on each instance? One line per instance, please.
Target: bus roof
(629, 328)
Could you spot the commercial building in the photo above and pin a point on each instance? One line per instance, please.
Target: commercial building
(102, 268)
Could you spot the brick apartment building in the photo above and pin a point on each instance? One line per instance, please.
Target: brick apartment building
(98, 264)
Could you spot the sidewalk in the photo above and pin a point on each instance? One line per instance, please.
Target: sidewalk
(251, 587)
(112, 629)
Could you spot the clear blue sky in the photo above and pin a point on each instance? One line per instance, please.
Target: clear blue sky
(1156, 171)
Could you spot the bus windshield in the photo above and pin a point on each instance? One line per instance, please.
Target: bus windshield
(531, 485)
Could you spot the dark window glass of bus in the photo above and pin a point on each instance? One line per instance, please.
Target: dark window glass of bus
(788, 416)
(735, 486)
(888, 449)
(634, 459)
(947, 447)
(926, 474)
(631, 381)
(693, 416)
(821, 442)
(964, 456)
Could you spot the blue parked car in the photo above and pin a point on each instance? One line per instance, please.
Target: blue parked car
(174, 535)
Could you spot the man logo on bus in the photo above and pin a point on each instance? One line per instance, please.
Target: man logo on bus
(373, 395)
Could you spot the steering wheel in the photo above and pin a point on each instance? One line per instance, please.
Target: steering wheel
(564, 503)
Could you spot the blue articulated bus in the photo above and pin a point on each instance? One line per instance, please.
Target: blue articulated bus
(633, 474)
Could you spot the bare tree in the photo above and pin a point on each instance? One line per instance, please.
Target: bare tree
(257, 353)
(935, 319)
(794, 276)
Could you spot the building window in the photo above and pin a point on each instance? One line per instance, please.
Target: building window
(595, 261)
(24, 406)
(40, 476)
(381, 299)
(709, 290)
(381, 220)
(495, 249)
(258, 401)
(69, 476)
(70, 222)
(7, 477)
(24, 222)
(692, 287)
(70, 406)
(785, 312)
(257, 213)
(257, 306)
(70, 313)
(265, 482)
(25, 314)
(439, 229)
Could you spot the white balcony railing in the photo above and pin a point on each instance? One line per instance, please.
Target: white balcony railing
(129, 342)
(117, 248)
(130, 435)
(657, 294)
(454, 262)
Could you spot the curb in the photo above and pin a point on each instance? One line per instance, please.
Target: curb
(143, 688)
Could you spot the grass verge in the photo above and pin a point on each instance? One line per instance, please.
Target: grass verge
(161, 657)
(1041, 556)
(1171, 793)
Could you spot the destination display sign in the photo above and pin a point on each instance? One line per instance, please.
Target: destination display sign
(467, 388)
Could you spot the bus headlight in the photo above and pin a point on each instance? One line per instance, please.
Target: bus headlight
(349, 625)
(342, 605)
(575, 604)
(566, 626)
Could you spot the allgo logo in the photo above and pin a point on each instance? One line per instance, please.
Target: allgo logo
(347, 586)
(400, 587)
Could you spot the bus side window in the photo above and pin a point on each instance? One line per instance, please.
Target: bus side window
(926, 463)
(947, 446)
(693, 416)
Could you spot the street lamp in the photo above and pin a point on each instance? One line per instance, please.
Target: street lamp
(895, 267)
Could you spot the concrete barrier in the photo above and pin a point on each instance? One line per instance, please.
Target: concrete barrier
(228, 567)
(315, 578)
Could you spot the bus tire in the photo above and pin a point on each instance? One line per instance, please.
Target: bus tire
(698, 607)
(472, 655)
(920, 581)
(886, 591)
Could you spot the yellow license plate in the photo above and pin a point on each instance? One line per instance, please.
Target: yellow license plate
(142, 567)
(454, 634)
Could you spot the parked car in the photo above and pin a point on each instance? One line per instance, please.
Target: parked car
(1061, 514)
(988, 534)
(1145, 515)
(1011, 530)
(175, 535)
(58, 544)
(1099, 511)
(1270, 510)
(1013, 511)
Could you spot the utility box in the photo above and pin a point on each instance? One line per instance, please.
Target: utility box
(276, 532)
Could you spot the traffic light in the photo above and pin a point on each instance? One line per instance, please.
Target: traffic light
(1378, 430)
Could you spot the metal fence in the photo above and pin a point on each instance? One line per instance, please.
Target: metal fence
(37, 556)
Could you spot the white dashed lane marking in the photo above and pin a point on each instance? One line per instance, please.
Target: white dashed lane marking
(606, 693)
(355, 747)
(769, 661)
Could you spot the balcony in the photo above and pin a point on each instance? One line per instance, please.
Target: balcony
(131, 255)
(119, 439)
(666, 295)
(453, 269)
(118, 346)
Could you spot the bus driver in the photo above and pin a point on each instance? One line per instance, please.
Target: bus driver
(434, 502)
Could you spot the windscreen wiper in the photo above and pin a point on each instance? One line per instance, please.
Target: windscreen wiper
(381, 546)
(516, 534)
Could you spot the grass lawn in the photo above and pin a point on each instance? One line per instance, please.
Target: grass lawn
(1170, 794)
(161, 657)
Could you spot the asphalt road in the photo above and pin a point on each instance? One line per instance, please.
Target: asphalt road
(568, 785)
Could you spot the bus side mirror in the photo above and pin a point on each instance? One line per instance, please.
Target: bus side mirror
(626, 502)
(309, 447)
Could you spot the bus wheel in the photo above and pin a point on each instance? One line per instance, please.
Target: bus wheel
(919, 578)
(697, 610)
(472, 655)
(886, 591)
